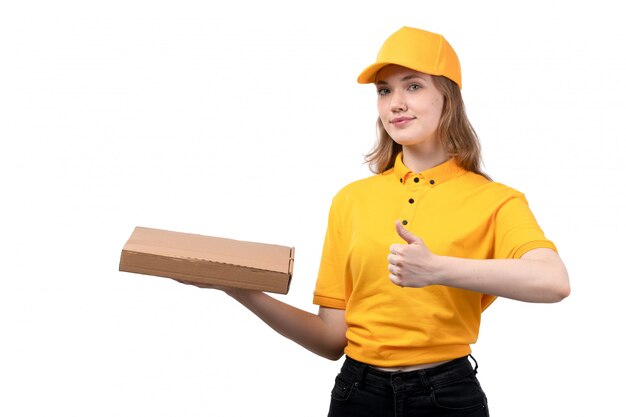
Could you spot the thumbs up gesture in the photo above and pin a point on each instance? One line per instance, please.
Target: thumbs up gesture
(411, 264)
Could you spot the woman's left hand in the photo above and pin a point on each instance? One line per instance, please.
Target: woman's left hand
(411, 264)
(539, 276)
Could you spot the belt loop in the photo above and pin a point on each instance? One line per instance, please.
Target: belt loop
(362, 373)
(424, 379)
(475, 364)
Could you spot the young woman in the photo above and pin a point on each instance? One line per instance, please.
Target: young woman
(415, 253)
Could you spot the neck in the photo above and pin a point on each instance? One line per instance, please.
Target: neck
(418, 159)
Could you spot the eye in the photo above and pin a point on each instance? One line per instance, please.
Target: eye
(382, 91)
(414, 87)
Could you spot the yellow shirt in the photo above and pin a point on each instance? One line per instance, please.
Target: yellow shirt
(457, 213)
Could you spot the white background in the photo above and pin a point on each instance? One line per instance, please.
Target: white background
(242, 120)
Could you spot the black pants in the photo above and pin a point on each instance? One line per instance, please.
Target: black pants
(450, 389)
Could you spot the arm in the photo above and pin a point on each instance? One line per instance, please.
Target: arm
(323, 333)
(538, 276)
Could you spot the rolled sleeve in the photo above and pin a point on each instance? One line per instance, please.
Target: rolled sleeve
(517, 230)
(330, 287)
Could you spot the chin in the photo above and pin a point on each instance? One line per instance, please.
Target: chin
(407, 141)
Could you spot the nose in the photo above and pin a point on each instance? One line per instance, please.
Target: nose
(398, 101)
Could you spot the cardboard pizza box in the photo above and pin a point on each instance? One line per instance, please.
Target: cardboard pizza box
(208, 260)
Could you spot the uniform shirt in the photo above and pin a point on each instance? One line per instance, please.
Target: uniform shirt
(457, 213)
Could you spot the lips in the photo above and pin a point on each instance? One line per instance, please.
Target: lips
(401, 120)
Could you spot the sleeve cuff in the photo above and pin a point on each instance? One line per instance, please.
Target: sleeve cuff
(330, 302)
(533, 245)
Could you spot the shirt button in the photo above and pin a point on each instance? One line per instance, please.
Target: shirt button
(404, 222)
(416, 179)
(411, 201)
(431, 182)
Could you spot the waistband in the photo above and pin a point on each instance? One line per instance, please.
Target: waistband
(400, 380)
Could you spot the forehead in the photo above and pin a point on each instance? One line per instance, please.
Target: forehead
(391, 73)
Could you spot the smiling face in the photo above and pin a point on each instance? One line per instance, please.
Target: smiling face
(409, 107)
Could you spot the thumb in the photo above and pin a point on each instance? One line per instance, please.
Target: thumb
(407, 236)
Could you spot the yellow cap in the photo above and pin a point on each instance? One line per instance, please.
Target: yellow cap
(418, 50)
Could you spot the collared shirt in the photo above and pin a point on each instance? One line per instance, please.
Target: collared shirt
(457, 213)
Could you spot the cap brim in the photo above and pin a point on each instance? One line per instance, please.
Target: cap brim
(369, 74)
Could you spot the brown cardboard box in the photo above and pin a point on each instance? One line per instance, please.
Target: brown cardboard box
(208, 260)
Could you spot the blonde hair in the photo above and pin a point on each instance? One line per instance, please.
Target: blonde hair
(454, 131)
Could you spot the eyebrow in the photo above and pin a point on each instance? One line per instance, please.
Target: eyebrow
(405, 78)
